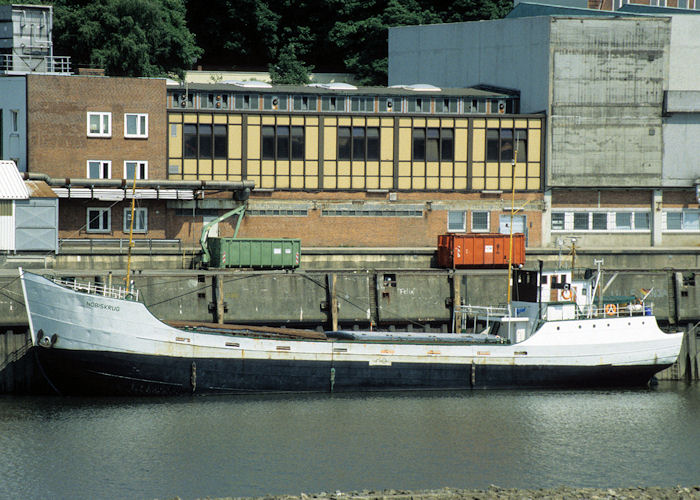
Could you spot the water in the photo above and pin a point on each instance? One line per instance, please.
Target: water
(257, 445)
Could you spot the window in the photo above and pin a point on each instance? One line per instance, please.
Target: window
(683, 220)
(332, 103)
(247, 101)
(390, 104)
(419, 105)
(480, 222)
(283, 142)
(215, 101)
(600, 221)
(205, 141)
(273, 102)
(136, 125)
(137, 169)
(140, 220)
(499, 145)
(558, 221)
(305, 103)
(456, 221)
(99, 124)
(358, 143)
(446, 105)
(581, 220)
(362, 104)
(14, 115)
(98, 220)
(97, 169)
(433, 144)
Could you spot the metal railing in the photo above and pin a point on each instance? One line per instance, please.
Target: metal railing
(99, 289)
(119, 245)
(35, 63)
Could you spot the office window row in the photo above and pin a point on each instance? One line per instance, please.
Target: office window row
(457, 221)
(682, 220)
(99, 220)
(358, 143)
(618, 221)
(102, 169)
(99, 124)
(344, 103)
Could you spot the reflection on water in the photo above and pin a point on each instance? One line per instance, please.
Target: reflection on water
(257, 445)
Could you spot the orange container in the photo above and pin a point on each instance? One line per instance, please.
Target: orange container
(479, 250)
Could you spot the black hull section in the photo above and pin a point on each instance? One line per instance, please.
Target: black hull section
(107, 373)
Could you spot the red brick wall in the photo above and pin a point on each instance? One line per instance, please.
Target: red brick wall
(57, 123)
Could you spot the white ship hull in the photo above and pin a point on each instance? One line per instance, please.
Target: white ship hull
(92, 344)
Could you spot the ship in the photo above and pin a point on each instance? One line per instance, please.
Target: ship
(90, 339)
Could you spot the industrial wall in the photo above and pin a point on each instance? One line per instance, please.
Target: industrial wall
(509, 53)
(607, 86)
(600, 79)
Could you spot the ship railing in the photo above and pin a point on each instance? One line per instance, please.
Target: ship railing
(99, 289)
(616, 310)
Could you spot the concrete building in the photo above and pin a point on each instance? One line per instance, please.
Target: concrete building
(620, 95)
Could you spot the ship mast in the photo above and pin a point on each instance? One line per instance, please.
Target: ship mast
(512, 213)
(131, 234)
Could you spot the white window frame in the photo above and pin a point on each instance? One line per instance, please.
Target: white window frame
(141, 125)
(105, 166)
(140, 173)
(101, 210)
(105, 121)
(141, 214)
(463, 228)
(685, 213)
(488, 221)
(611, 221)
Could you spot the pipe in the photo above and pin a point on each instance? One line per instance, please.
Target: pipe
(146, 183)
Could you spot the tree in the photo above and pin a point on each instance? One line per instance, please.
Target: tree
(363, 35)
(126, 37)
(289, 68)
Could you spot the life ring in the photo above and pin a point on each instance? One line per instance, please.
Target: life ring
(610, 309)
(566, 294)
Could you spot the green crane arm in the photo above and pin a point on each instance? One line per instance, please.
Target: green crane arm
(240, 210)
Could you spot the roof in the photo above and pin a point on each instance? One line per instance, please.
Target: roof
(39, 189)
(11, 183)
(345, 89)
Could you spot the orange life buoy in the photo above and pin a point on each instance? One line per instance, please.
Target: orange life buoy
(611, 309)
(566, 294)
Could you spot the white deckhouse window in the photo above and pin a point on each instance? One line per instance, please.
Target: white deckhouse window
(99, 124)
(136, 125)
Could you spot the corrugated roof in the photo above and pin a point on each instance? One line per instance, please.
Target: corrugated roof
(11, 184)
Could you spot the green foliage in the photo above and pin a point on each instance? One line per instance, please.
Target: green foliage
(288, 68)
(125, 37)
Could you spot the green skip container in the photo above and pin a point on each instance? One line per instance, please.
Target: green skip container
(259, 253)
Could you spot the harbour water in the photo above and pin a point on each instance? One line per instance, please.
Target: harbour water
(256, 445)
